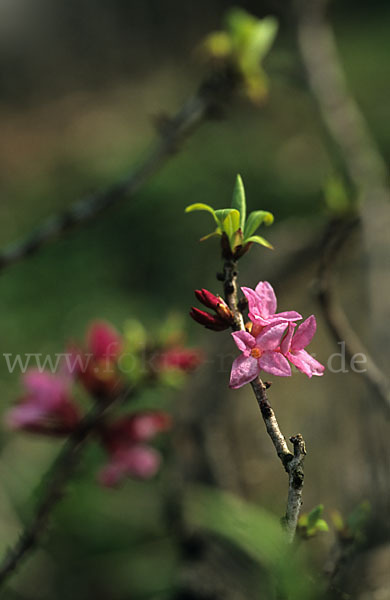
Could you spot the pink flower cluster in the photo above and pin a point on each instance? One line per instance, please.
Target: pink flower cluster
(49, 407)
(272, 342)
(129, 454)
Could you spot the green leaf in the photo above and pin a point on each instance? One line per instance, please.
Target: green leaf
(255, 219)
(257, 239)
(253, 529)
(357, 519)
(239, 201)
(210, 235)
(337, 199)
(263, 37)
(322, 525)
(231, 224)
(222, 213)
(256, 532)
(314, 515)
(217, 45)
(201, 206)
(135, 335)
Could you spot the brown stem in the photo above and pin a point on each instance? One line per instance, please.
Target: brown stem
(292, 462)
(214, 92)
(57, 479)
(365, 174)
(335, 238)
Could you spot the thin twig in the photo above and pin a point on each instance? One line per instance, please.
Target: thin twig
(292, 462)
(362, 167)
(57, 478)
(211, 95)
(335, 237)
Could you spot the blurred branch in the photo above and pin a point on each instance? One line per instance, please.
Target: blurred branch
(345, 125)
(212, 94)
(334, 240)
(292, 463)
(362, 167)
(57, 478)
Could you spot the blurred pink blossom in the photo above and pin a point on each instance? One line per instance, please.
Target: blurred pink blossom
(47, 405)
(96, 365)
(129, 455)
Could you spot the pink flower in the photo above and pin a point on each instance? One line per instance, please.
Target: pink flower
(137, 460)
(96, 367)
(129, 455)
(179, 357)
(262, 305)
(47, 407)
(104, 341)
(293, 346)
(259, 353)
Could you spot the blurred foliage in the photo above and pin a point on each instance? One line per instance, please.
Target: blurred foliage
(256, 532)
(79, 81)
(244, 44)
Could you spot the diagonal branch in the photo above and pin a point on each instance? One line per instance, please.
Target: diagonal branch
(366, 177)
(292, 462)
(57, 479)
(214, 92)
(337, 321)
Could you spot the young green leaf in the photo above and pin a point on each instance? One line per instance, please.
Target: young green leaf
(222, 213)
(257, 239)
(201, 206)
(254, 221)
(263, 37)
(322, 525)
(231, 224)
(210, 235)
(239, 201)
(314, 515)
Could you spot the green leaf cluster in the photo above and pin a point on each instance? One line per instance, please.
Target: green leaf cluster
(309, 525)
(233, 222)
(352, 528)
(244, 42)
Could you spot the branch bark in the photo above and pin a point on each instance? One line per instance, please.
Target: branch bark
(57, 478)
(334, 240)
(292, 462)
(213, 93)
(364, 171)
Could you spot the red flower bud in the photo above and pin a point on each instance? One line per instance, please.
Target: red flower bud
(216, 303)
(209, 321)
(208, 299)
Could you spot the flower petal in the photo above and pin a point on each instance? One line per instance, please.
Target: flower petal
(269, 338)
(286, 342)
(288, 315)
(244, 370)
(253, 299)
(244, 340)
(275, 363)
(256, 318)
(137, 461)
(24, 415)
(304, 334)
(306, 363)
(267, 298)
(104, 341)
(47, 389)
